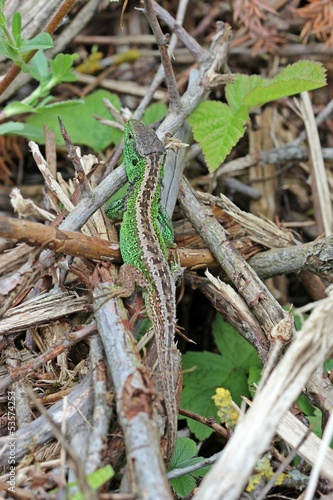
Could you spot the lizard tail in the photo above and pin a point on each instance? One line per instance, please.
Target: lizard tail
(169, 364)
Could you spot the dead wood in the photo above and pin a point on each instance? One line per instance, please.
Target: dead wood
(267, 224)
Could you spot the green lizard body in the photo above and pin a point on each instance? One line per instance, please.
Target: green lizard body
(145, 234)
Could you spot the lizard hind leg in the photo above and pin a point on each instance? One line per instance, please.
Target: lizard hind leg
(129, 277)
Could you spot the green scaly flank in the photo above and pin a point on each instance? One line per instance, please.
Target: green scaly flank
(125, 208)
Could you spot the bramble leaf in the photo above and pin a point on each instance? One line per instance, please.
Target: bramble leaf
(185, 456)
(295, 78)
(205, 371)
(217, 127)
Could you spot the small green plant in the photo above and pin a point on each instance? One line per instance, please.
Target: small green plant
(13, 45)
(185, 456)
(78, 118)
(218, 126)
(48, 73)
(235, 368)
(95, 480)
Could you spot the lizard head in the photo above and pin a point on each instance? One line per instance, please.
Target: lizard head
(142, 139)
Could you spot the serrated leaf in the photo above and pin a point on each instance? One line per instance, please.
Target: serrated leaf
(17, 28)
(303, 70)
(238, 350)
(183, 485)
(185, 456)
(242, 356)
(295, 78)
(217, 127)
(244, 84)
(62, 67)
(41, 41)
(206, 372)
(184, 451)
(79, 121)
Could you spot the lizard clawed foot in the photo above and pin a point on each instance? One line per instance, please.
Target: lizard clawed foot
(127, 280)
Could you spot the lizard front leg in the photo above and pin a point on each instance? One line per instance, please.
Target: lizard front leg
(129, 278)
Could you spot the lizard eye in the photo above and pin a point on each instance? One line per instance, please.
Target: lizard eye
(134, 162)
(130, 136)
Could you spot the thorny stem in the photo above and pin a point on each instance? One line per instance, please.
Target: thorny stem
(15, 70)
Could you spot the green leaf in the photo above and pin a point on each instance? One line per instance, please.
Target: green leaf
(79, 121)
(185, 450)
(17, 107)
(96, 480)
(328, 365)
(217, 127)
(185, 456)
(316, 422)
(241, 355)
(62, 67)
(244, 84)
(39, 67)
(12, 54)
(305, 406)
(232, 345)
(154, 113)
(183, 485)
(295, 78)
(3, 48)
(3, 20)
(40, 41)
(17, 128)
(17, 28)
(204, 372)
